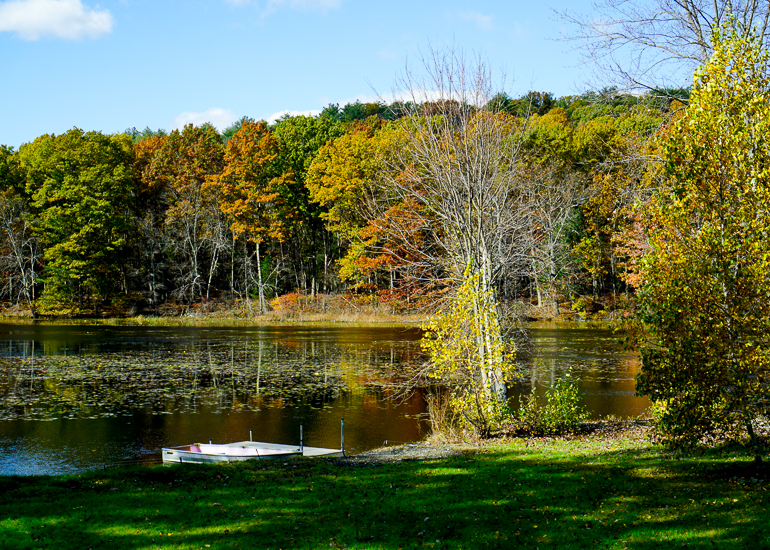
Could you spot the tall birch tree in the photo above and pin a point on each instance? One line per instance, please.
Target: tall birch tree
(459, 171)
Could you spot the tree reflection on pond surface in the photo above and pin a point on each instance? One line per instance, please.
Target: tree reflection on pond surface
(77, 397)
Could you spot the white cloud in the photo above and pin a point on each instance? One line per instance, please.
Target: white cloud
(69, 19)
(275, 117)
(522, 32)
(309, 5)
(482, 21)
(219, 118)
(271, 6)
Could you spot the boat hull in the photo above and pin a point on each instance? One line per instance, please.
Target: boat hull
(237, 452)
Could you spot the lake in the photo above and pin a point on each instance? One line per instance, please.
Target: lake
(79, 397)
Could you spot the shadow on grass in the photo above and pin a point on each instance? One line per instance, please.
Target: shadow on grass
(560, 494)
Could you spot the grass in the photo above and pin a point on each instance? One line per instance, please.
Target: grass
(588, 493)
(232, 320)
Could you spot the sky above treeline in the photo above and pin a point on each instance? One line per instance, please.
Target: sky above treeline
(117, 64)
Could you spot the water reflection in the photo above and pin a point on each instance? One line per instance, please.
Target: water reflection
(79, 397)
(221, 369)
(604, 370)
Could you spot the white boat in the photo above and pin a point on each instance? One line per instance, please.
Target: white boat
(246, 450)
(243, 450)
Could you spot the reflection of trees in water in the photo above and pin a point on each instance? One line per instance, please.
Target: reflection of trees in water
(604, 370)
(251, 375)
(587, 356)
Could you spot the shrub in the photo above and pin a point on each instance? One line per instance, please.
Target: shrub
(560, 414)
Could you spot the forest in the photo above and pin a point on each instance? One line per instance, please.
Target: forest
(459, 201)
(330, 204)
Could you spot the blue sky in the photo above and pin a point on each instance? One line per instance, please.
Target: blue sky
(118, 64)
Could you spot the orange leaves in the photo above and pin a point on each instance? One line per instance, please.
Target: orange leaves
(144, 152)
(252, 187)
(180, 162)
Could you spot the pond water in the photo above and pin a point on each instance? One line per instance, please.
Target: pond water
(79, 397)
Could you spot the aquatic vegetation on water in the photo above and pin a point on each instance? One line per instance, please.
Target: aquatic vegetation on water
(228, 375)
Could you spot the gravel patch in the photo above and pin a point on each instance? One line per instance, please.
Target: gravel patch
(400, 453)
(605, 430)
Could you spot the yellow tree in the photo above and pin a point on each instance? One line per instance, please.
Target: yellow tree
(706, 280)
(459, 340)
(339, 176)
(342, 179)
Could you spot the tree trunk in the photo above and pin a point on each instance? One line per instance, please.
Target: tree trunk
(260, 283)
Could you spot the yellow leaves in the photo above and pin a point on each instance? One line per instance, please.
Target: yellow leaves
(339, 174)
(589, 254)
(467, 352)
(707, 277)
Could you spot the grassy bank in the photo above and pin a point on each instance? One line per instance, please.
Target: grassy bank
(231, 319)
(589, 493)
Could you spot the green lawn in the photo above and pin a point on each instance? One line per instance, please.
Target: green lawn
(568, 494)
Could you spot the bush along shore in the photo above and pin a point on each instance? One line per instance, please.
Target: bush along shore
(607, 488)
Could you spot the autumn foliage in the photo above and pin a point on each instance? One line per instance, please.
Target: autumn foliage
(706, 277)
(323, 204)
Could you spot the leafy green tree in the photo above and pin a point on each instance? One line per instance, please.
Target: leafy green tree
(137, 136)
(81, 186)
(331, 112)
(706, 280)
(11, 175)
(312, 249)
(361, 111)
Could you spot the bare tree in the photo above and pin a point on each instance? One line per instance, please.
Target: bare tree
(457, 172)
(655, 44)
(452, 193)
(21, 249)
(555, 193)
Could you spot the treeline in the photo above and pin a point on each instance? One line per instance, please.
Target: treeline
(148, 217)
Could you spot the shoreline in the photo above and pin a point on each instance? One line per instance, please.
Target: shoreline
(594, 431)
(589, 491)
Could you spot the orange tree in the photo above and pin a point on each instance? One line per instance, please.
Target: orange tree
(252, 192)
(342, 180)
(177, 168)
(706, 279)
